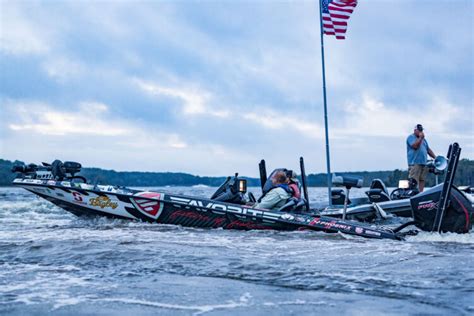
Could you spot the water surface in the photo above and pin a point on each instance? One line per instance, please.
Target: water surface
(54, 263)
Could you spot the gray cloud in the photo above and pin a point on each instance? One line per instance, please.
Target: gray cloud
(234, 82)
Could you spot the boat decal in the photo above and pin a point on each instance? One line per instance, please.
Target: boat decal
(428, 205)
(177, 199)
(236, 224)
(287, 216)
(78, 198)
(32, 181)
(218, 208)
(372, 233)
(330, 224)
(103, 201)
(301, 219)
(200, 218)
(152, 208)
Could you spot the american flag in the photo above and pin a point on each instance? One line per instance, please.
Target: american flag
(335, 15)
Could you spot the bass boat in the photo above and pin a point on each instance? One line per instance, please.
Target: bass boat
(442, 208)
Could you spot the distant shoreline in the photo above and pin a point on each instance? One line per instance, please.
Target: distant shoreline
(464, 176)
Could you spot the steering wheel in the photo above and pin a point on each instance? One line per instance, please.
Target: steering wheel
(396, 194)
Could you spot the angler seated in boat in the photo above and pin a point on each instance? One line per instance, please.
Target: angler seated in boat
(282, 192)
(277, 195)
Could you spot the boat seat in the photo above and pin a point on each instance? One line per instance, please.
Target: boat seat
(338, 196)
(378, 192)
(347, 181)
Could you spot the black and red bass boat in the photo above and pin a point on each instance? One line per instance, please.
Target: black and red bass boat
(442, 208)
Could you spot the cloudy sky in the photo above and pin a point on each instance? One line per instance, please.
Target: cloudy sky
(212, 87)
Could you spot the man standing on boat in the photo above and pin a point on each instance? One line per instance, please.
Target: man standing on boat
(417, 151)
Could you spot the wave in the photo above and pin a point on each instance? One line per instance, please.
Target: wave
(443, 238)
(198, 309)
(200, 186)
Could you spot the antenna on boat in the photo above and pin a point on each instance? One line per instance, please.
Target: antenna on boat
(263, 173)
(304, 183)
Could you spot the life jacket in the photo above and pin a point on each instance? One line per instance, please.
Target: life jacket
(284, 186)
(295, 190)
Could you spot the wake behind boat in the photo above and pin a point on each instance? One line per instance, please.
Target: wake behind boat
(443, 208)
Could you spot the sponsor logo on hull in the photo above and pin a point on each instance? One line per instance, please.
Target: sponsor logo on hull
(428, 205)
(217, 208)
(151, 208)
(330, 224)
(372, 233)
(103, 202)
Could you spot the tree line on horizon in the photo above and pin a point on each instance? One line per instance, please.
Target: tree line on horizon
(464, 176)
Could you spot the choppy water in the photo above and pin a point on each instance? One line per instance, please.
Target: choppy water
(52, 262)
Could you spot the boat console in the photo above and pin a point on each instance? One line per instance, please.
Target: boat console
(232, 191)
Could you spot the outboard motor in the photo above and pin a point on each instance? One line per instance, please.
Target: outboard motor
(377, 192)
(458, 215)
(62, 170)
(72, 167)
(58, 170)
(55, 171)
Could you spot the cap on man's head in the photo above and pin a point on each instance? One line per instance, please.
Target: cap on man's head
(419, 127)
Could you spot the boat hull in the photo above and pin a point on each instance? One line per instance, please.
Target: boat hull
(87, 200)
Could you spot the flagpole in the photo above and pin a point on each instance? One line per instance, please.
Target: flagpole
(328, 163)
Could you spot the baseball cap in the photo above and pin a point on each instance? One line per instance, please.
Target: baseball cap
(419, 127)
